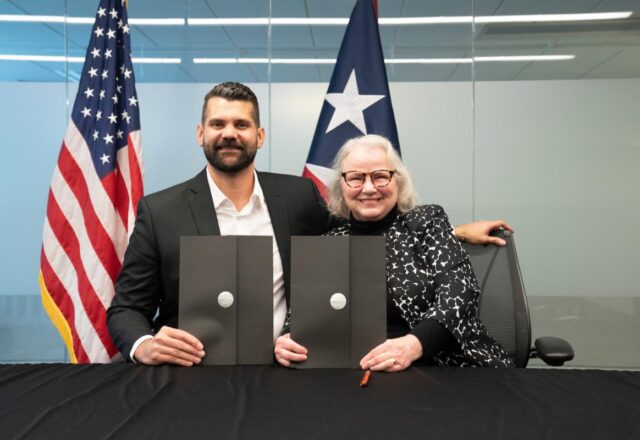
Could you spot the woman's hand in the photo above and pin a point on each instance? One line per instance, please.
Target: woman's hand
(287, 351)
(478, 232)
(393, 354)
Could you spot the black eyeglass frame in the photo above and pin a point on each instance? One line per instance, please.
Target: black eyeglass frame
(391, 174)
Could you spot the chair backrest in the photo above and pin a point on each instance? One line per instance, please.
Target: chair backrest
(503, 303)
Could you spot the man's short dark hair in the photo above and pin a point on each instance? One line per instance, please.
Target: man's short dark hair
(233, 91)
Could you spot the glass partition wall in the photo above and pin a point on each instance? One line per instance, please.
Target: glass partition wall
(500, 115)
(557, 153)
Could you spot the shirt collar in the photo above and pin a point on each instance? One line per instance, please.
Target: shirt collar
(219, 197)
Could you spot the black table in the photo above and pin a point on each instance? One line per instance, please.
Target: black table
(133, 401)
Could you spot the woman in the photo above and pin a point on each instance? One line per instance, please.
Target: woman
(432, 307)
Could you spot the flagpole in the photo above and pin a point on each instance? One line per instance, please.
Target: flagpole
(473, 115)
(67, 353)
(269, 42)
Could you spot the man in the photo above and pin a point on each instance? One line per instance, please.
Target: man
(229, 197)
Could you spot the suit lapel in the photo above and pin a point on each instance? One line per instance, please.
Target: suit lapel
(201, 204)
(280, 221)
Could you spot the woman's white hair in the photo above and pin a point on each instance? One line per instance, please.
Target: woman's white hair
(407, 198)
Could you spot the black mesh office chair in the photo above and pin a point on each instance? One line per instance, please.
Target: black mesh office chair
(503, 305)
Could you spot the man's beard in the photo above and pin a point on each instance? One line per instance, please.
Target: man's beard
(216, 159)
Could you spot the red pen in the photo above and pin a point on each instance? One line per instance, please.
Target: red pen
(365, 378)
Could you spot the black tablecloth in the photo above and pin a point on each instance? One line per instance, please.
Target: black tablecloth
(134, 401)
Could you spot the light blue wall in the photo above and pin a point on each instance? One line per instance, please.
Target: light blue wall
(32, 124)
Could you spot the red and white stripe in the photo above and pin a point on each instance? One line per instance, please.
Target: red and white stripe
(321, 177)
(89, 221)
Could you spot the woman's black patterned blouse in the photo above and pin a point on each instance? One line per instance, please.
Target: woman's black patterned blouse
(429, 277)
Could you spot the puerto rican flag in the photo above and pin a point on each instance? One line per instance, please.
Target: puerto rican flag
(358, 100)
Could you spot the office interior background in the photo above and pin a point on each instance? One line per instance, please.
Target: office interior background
(548, 140)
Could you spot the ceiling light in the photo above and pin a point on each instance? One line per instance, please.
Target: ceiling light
(157, 60)
(525, 58)
(33, 18)
(428, 61)
(157, 21)
(44, 58)
(303, 61)
(425, 20)
(264, 21)
(78, 20)
(516, 58)
(264, 60)
(89, 20)
(276, 21)
(227, 21)
(215, 60)
(591, 16)
(62, 59)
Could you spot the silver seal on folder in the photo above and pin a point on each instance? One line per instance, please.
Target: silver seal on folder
(225, 299)
(338, 301)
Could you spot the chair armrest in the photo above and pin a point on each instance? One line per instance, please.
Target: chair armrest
(553, 351)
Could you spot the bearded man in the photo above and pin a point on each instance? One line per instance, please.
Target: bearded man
(229, 197)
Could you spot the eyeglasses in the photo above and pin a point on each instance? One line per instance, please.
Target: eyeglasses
(379, 178)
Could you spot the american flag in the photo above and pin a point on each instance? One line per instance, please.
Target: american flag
(358, 100)
(94, 192)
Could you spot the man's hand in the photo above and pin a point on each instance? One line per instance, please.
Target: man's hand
(478, 232)
(170, 346)
(287, 351)
(393, 354)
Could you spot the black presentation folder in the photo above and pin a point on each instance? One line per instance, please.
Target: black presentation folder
(338, 298)
(226, 297)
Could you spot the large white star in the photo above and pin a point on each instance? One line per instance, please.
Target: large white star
(104, 158)
(349, 105)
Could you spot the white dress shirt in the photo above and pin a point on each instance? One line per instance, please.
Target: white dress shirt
(252, 219)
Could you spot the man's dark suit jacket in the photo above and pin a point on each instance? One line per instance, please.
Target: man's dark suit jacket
(148, 281)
